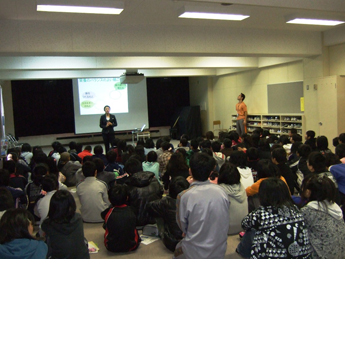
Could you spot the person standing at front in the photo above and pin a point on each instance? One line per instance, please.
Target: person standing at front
(241, 110)
(107, 123)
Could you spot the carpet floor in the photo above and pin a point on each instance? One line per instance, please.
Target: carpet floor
(156, 250)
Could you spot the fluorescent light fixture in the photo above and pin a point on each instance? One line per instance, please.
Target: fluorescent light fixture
(214, 16)
(102, 7)
(203, 12)
(308, 21)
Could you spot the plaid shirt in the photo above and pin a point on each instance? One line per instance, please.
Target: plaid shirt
(163, 161)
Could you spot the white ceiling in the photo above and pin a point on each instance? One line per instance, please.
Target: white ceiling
(152, 28)
(265, 14)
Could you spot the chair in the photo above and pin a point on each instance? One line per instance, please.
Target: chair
(219, 129)
(143, 135)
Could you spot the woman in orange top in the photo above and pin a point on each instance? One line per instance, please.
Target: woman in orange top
(266, 169)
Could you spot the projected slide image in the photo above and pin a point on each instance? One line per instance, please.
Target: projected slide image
(95, 93)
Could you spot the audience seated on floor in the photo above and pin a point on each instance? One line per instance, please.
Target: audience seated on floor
(184, 154)
(302, 170)
(277, 228)
(239, 159)
(202, 214)
(121, 234)
(226, 148)
(93, 195)
(194, 148)
(22, 168)
(79, 176)
(26, 153)
(105, 176)
(58, 149)
(217, 154)
(322, 144)
(151, 164)
(266, 169)
(98, 153)
(16, 236)
(165, 208)
(68, 169)
(112, 165)
(252, 161)
(159, 149)
(73, 151)
(119, 149)
(230, 180)
(176, 166)
(317, 165)
(164, 157)
(16, 180)
(310, 140)
(64, 229)
(86, 152)
(184, 143)
(209, 135)
(53, 169)
(33, 189)
(139, 151)
(49, 187)
(338, 172)
(324, 219)
(293, 158)
(18, 195)
(280, 160)
(143, 187)
(149, 146)
(258, 153)
(6, 200)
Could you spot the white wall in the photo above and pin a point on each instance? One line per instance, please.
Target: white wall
(314, 70)
(8, 107)
(40, 37)
(254, 85)
(337, 59)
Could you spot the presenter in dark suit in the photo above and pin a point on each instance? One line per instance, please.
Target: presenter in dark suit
(107, 123)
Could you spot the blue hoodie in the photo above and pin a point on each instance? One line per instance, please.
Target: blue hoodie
(23, 248)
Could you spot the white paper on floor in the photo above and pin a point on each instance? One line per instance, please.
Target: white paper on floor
(148, 239)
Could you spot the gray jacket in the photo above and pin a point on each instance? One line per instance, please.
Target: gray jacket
(93, 196)
(326, 229)
(203, 216)
(238, 206)
(69, 170)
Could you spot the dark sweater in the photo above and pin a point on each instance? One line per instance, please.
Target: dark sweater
(66, 240)
(143, 188)
(121, 234)
(311, 143)
(290, 178)
(169, 175)
(166, 209)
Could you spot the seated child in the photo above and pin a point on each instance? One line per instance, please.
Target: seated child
(165, 208)
(64, 228)
(277, 229)
(16, 236)
(324, 219)
(6, 200)
(121, 234)
(151, 163)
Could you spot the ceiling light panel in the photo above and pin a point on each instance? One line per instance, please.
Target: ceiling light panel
(88, 7)
(213, 13)
(309, 21)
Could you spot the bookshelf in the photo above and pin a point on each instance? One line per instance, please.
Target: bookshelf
(274, 123)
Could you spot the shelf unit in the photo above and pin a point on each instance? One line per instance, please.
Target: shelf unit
(275, 124)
